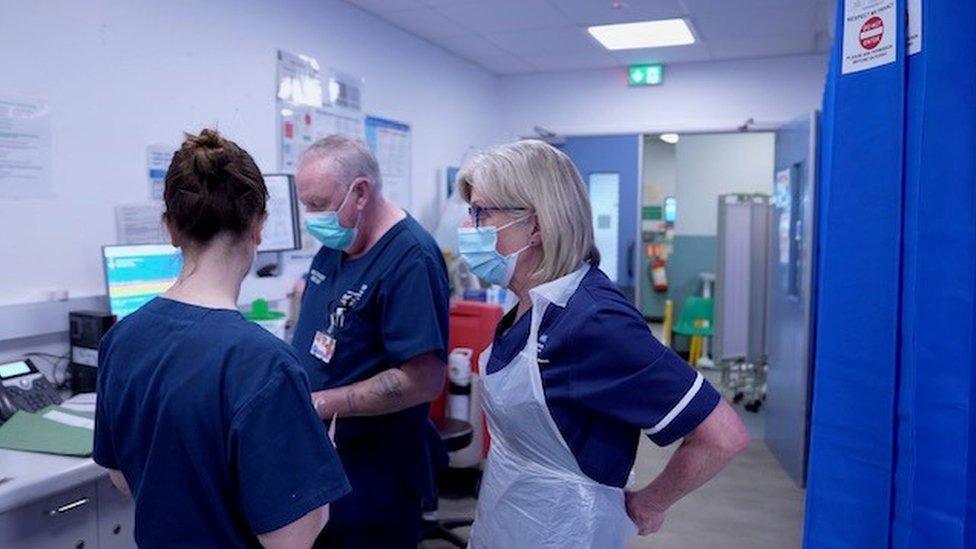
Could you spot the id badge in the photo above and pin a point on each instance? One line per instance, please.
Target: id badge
(323, 347)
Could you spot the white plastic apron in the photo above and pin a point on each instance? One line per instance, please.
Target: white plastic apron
(533, 493)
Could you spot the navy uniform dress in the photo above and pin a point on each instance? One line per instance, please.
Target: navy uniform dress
(568, 388)
(394, 303)
(607, 379)
(208, 417)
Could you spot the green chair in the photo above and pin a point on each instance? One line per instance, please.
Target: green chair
(696, 322)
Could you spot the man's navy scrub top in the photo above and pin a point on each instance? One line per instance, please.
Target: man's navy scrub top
(396, 300)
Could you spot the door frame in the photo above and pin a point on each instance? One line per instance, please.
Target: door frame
(635, 256)
(634, 259)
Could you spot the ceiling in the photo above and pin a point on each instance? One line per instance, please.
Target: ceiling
(526, 36)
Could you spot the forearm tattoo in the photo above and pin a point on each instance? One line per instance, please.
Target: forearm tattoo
(388, 384)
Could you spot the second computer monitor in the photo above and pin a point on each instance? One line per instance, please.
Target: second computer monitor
(281, 229)
(136, 274)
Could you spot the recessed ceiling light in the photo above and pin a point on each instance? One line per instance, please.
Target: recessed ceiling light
(671, 138)
(644, 34)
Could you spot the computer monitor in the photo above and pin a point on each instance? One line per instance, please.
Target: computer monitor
(134, 274)
(282, 231)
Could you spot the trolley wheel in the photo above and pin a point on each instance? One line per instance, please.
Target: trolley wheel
(754, 406)
(738, 397)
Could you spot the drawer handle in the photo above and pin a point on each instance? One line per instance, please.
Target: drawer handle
(68, 507)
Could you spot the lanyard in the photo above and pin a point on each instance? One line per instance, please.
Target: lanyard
(348, 300)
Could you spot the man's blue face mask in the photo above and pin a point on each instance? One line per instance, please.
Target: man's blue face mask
(325, 227)
(477, 246)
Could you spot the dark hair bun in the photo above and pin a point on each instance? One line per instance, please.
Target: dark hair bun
(213, 186)
(209, 154)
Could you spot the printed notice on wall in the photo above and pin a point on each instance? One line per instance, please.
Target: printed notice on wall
(25, 147)
(914, 37)
(390, 142)
(870, 31)
(158, 158)
(140, 224)
(302, 126)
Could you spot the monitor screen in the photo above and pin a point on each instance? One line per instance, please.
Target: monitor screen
(281, 230)
(670, 209)
(136, 274)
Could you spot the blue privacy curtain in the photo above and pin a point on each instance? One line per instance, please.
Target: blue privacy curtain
(893, 426)
(936, 417)
(852, 434)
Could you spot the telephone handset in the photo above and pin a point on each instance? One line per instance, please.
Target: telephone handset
(24, 387)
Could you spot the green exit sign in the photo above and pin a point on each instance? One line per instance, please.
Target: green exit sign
(645, 75)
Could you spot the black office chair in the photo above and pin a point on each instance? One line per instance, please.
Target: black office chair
(453, 435)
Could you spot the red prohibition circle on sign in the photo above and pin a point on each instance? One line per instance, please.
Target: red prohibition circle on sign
(871, 33)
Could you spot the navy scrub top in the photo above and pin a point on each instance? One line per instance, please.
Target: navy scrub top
(397, 296)
(606, 379)
(208, 416)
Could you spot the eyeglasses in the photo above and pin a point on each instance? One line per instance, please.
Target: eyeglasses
(477, 212)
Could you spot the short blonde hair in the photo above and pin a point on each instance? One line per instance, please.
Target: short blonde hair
(534, 175)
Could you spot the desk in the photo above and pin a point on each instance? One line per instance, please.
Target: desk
(61, 501)
(34, 476)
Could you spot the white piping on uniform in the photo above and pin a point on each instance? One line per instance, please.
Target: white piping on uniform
(678, 408)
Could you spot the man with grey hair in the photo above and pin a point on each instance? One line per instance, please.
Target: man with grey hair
(372, 335)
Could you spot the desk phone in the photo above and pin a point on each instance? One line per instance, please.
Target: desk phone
(23, 387)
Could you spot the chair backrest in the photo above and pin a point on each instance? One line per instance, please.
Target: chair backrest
(697, 308)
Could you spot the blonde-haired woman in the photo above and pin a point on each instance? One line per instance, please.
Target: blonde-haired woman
(574, 375)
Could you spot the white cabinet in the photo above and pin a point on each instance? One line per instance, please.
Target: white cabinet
(93, 515)
(116, 517)
(65, 520)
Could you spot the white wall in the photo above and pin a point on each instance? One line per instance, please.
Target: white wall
(712, 165)
(120, 75)
(694, 97)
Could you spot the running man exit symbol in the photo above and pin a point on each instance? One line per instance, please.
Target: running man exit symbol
(645, 75)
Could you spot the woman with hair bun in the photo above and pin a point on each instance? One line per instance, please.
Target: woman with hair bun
(203, 417)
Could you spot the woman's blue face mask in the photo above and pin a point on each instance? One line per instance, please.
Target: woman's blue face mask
(325, 227)
(477, 246)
